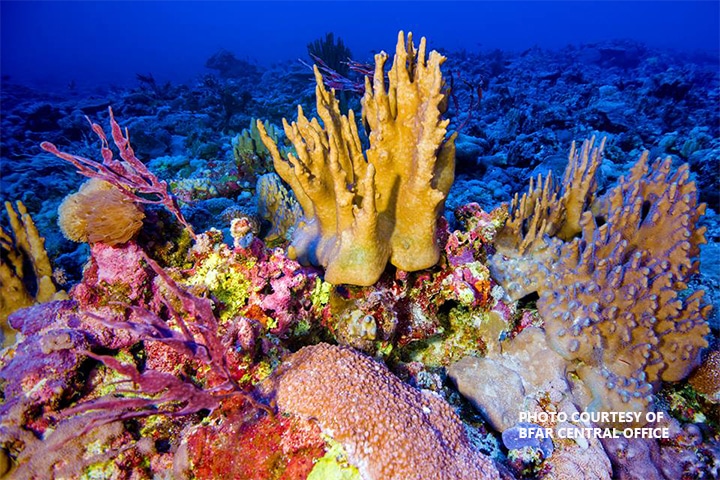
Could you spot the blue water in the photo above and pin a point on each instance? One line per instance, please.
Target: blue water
(50, 44)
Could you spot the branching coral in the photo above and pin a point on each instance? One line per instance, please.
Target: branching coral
(21, 251)
(545, 212)
(359, 214)
(130, 175)
(613, 298)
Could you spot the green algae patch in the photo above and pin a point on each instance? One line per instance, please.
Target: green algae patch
(321, 293)
(334, 465)
(226, 281)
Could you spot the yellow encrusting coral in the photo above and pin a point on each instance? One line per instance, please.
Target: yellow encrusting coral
(361, 213)
(99, 212)
(278, 206)
(21, 250)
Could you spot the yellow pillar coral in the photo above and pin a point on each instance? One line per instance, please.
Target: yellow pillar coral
(359, 213)
(23, 248)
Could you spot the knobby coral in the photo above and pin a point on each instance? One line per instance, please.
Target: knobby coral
(389, 429)
(361, 213)
(612, 294)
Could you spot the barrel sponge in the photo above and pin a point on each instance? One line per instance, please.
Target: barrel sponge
(389, 429)
(99, 213)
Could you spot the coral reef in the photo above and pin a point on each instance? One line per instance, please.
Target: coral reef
(359, 213)
(219, 354)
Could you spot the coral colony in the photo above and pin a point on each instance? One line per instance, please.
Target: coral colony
(349, 329)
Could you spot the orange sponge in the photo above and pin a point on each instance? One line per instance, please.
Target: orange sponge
(99, 212)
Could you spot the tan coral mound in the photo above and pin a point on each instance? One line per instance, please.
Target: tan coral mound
(389, 429)
(99, 213)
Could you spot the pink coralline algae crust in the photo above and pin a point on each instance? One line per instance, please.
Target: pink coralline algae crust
(389, 430)
(113, 274)
(37, 372)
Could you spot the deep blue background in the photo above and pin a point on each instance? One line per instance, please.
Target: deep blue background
(48, 44)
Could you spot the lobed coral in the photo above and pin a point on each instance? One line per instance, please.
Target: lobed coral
(611, 294)
(99, 212)
(388, 429)
(361, 213)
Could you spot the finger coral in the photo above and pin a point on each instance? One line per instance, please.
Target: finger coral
(389, 430)
(99, 212)
(546, 211)
(26, 275)
(360, 213)
(612, 293)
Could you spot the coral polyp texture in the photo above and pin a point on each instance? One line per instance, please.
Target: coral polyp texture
(361, 211)
(389, 429)
(613, 295)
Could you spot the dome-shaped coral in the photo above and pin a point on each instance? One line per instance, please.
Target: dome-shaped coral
(99, 212)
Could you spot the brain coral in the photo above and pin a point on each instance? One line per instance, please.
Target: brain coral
(389, 429)
(99, 212)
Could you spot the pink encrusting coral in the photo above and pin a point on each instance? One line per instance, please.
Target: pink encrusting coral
(389, 429)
